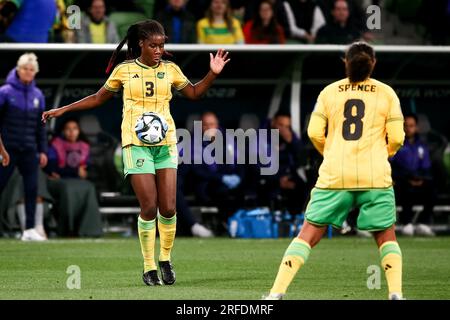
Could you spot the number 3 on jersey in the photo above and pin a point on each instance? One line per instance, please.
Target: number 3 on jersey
(149, 89)
(353, 121)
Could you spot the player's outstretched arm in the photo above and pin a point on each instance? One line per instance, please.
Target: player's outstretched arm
(395, 135)
(316, 132)
(88, 102)
(216, 65)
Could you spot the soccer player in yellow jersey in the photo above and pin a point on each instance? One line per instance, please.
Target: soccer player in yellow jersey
(357, 124)
(146, 82)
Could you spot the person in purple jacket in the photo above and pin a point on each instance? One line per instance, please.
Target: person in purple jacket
(411, 171)
(23, 139)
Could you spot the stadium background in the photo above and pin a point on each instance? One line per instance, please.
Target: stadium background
(69, 72)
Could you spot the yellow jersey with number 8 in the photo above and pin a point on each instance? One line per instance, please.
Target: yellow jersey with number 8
(356, 127)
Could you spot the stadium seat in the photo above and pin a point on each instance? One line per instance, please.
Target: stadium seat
(406, 10)
(147, 6)
(123, 20)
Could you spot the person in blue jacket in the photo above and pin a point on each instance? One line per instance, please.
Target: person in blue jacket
(287, 188)
(23, 139)
(31, 20)
(216, 177)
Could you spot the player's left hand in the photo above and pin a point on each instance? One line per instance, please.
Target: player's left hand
(217, 62)
(42, 160)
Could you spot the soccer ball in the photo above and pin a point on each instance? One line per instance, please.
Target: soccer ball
(151, 128)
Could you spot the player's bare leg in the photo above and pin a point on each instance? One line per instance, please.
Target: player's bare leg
(391, 260)
(311, 233)
(144, 186)
(295, 256)
(384, 236)
(166, 181)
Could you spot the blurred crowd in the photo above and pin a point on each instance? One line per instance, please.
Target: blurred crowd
(229, 21)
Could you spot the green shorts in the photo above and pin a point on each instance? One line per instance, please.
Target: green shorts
(138, 160)
(377, 210)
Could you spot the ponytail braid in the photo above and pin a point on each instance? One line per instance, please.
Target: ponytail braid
(136, 32)
(133, 49)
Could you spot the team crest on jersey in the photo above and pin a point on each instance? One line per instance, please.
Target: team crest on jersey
(36, 103)
(139, 163)
(160, 75)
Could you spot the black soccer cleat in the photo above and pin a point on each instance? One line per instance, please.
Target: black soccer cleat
(151, 278)
(167, 272)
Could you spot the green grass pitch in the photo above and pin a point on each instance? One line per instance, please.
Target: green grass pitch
(219, 268)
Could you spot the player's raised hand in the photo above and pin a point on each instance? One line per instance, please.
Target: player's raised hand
(54, 113)
(217, 62)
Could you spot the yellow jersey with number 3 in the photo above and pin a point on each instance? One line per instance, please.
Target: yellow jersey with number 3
(356, 127)
(146, 89)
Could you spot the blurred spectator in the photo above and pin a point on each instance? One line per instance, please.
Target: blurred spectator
(178, 22)
(264, 28)
(7, 11)
(114, 5)
(304, 18)
(96, 26)
(27, 20)
(219, 26)
(340, 31)
(61, 31)
(287, 186)
(23, 134)
(357, 11)
(411, 171)
(198, 8)
(76, 198)
(217, 182)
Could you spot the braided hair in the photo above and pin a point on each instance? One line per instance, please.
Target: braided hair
(139, 31)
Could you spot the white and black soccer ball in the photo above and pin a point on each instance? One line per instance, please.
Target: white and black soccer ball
(151, 128)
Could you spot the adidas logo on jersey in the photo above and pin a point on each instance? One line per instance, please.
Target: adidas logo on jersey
(136, 76)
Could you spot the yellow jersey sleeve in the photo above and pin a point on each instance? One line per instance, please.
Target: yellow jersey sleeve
(179, 80)
(394, 126)
(318, 125)
(114, 82)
